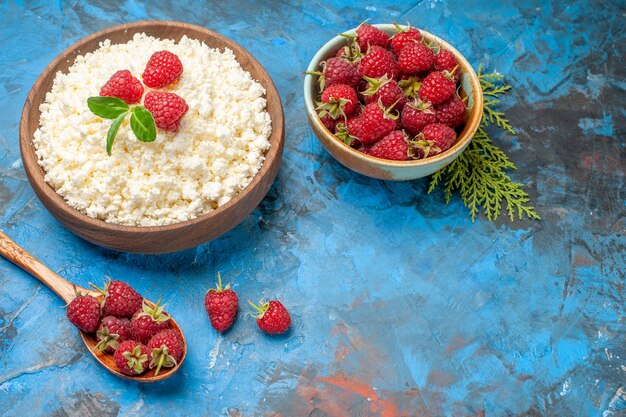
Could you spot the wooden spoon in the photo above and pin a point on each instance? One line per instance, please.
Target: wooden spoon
(66, 290)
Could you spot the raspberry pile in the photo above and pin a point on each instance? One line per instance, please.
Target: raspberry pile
(138, 335)
(391, 96)
(163, 69)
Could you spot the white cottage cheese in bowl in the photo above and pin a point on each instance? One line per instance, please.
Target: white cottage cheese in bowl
(215, 154)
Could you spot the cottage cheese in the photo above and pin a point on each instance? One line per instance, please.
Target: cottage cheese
(215, 154)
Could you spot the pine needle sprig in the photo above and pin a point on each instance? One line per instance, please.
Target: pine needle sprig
(490, 116)
(479, 173)
(491, 88)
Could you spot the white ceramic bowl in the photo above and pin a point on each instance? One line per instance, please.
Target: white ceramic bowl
(382, 168)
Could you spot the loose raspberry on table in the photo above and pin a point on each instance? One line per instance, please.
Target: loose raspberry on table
(221, 304)
(272, 317)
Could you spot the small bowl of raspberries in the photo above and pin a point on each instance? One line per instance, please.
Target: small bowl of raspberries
(392, 102)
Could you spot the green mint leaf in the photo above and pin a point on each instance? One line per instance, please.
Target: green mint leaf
(115, 126)
(107, 107)
(142, 123)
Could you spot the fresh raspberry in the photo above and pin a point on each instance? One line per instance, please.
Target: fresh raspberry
(221, 305)
(148, 321)
(124, 86)
(435, 138)
(111, 333)
(437, 87)
(337, 71)
(445, 61)
(163, 69)
(394, 146)
(329, 122)
(84, 312)
(363, 149)
(368, 36)
(347, 131)
(378, 62)
(120, 300)
(414, 58)
(376, 122)
(404, 37)
(416, 115)
(388, 91)
(167, 109)
(336, 92)
(354, 126)
(350, 53)
(344, 51)
(131, 357)
(338, 101)
(166, 348)
(272, 317)
(451, 113)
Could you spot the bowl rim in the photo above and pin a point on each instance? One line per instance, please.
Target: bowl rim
(469, 130)
(276, 137)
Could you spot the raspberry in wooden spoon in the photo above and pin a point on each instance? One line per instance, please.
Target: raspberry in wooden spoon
(84, 313)
(120, 299)
(166, 348)
(111, 333)
(132, 358)
(148, 321)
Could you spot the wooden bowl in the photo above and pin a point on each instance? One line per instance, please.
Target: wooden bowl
(381, 168)
(156, 239)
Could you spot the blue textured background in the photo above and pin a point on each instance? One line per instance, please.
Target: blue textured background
(401, 306)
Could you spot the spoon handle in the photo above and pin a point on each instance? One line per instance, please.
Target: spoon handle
(14, 253)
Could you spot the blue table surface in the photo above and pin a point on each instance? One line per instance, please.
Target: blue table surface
(401, 305)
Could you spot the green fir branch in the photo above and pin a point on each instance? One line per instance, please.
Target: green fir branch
(490, 116)
(479, 173)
